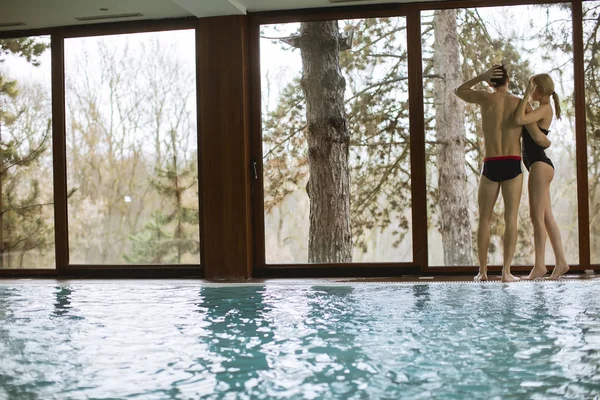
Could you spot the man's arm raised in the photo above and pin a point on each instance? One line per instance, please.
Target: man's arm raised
(468, 94)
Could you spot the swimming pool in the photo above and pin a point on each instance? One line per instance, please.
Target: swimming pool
(186, 340)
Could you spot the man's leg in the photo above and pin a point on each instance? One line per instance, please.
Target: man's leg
(486, 198)
(511, 193)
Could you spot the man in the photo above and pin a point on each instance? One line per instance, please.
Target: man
(501, 165)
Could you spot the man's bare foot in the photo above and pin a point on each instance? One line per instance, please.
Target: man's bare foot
(559, 270)
(482, 276)
(509, 278)
(537, 272)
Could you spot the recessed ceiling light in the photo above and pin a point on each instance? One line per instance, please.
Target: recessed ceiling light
(11, 24)
(110, 16)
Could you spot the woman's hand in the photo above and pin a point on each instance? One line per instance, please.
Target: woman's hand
(531, 86)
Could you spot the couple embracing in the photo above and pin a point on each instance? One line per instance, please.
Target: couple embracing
(505, 119)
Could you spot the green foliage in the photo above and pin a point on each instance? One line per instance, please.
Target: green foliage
(153, 244)
(30, 48)
(169, 236)
(23, 220)
(24, 138)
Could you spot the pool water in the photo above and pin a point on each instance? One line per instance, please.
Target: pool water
(186, 340)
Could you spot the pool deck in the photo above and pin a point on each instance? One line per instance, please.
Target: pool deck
(396, 279)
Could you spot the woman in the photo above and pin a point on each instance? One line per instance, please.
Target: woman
(541, 172)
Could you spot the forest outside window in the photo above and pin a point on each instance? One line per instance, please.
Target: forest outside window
(131, 136)
(335, 141)
(26, 189)
(458, 45)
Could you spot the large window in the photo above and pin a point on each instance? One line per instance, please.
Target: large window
(458, 45)
(336, 141)
(132, 149)
(591, 48)
(26, 190)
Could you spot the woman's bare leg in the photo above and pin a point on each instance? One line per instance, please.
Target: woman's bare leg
(511, 193)
(540, 177)
(486, 198)
(553, 230)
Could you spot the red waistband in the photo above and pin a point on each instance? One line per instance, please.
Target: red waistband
(502, 158)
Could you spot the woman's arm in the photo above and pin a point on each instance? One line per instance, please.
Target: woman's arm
(525, 115)
(538, 136)
(531, 116)
(534, 131)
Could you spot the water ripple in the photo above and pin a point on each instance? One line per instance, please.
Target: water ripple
(182, 341)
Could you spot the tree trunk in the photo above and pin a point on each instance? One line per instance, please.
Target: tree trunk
(450, 131)
(330, 235)
(178, 200)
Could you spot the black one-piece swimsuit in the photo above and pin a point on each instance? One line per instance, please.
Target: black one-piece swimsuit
(532, 152)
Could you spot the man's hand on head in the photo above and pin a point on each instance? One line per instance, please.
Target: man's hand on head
(493, 73)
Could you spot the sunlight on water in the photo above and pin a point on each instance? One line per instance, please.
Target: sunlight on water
(166, 340)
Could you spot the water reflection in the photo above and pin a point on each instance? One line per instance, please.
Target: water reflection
(529, 340)
(62, 303)
(422, 297)
(13, 346)
(238, 330)
(334, 354)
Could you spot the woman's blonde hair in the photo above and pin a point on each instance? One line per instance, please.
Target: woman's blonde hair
(545, 85)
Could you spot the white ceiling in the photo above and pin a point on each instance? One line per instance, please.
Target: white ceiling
(50, 13)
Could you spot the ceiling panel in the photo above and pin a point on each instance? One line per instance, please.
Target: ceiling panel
(49, 13)
(268, 5)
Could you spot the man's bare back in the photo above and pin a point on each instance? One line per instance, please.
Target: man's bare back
(502, 136)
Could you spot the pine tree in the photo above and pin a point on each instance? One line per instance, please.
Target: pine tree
(153, 244)
(29, 48)
(169, 236)
(328, 187)
(22, 143)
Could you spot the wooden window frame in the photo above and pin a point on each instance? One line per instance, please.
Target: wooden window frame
(63, 266)
(419, 265)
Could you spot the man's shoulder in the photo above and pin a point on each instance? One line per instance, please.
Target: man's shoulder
(513, 97)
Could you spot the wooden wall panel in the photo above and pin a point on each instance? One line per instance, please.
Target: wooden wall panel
(59, 148)
(224, 138)
(581, 139)
(417, 142)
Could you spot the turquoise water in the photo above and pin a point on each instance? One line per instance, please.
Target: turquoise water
(182, 340)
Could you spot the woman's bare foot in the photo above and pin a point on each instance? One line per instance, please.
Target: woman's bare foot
(481, 276)
(537, 272)
(559, 270)
(508, 277)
